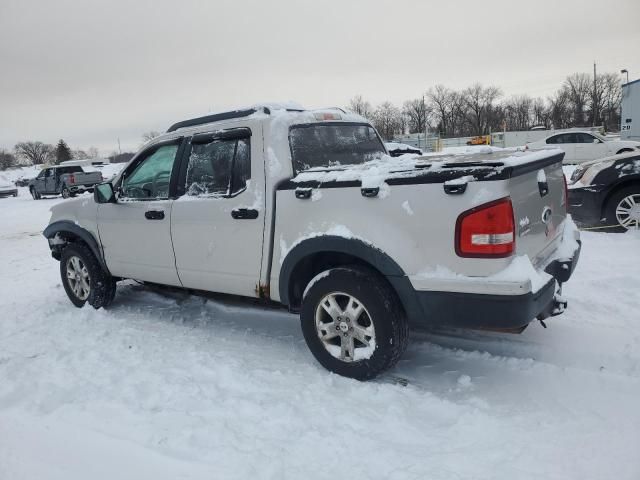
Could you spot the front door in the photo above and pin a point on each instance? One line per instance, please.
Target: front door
(218, 223)
(589, 147)
(135, 232)
(51, 175)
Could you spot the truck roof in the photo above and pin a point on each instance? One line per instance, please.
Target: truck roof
(265, 112)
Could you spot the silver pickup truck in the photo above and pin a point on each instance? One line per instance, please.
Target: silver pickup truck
(67, 181)
(307, 210)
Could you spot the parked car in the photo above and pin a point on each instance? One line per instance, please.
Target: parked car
(397, 149)
(67, 181)
(7, 189)
(606, 193)
(584, 146)
(22, 182)
(306, 210)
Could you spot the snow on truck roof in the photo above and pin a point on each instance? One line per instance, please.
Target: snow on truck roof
(271, 111)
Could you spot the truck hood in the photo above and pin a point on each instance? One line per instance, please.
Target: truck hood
(75, 210)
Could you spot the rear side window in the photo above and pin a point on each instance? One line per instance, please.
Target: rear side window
(219, 168)
(323, 145)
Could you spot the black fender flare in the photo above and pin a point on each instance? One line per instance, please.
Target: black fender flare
(62, 226)
(365, 252)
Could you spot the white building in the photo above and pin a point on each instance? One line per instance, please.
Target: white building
(630, 130)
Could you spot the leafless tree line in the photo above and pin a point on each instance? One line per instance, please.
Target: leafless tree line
(479, 109)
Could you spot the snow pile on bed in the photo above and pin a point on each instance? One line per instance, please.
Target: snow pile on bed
(374, 172)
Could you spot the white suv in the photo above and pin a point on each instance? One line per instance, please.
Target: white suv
(305, 209)
(584, 146)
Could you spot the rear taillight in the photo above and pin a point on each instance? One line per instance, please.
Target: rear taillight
(72, 178)
(565, 194)
(486, 231)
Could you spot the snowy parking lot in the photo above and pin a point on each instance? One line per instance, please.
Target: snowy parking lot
(171, 387)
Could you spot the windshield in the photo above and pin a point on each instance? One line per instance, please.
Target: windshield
(325, 145)
(599, 137)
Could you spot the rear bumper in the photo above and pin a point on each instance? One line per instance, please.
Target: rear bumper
(81, 188)
(9, 193)
(498, 312)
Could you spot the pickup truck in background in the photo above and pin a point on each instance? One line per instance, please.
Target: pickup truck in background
(67, 181)
(306, 210)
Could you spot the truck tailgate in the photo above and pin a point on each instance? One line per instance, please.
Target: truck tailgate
(538, 195)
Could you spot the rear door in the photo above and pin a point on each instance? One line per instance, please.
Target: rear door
(39, 182)
(217, 224)
(50, 179)
(135, 232)
(567, 143)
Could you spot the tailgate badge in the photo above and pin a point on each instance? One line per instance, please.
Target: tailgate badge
(546, 219)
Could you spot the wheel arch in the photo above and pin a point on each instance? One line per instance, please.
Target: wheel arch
(314, 255)
(70, 232)
(623, 150)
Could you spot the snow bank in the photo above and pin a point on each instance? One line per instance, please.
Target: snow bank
(171, 387)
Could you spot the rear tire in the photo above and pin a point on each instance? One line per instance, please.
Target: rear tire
(84, 279)
(623, 209)
(353, 322)
(66, 193)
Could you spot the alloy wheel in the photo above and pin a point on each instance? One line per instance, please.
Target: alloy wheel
(628, 211)
(78, 278)
(345, 328)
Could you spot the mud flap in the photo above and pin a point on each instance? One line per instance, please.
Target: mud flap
(556, 307)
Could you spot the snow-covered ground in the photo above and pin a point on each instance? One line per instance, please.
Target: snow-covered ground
(166, 388)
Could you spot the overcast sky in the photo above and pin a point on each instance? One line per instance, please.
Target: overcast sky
(95, 71)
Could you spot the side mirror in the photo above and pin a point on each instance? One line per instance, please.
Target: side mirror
(103, 193)
(597, 140)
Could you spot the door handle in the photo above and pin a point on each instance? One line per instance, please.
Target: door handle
(154, 214)
(303, 193)
(244, 213)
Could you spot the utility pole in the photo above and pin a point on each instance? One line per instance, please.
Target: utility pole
(119, 149)
(595, 97)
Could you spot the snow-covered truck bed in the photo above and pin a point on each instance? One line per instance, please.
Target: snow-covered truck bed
(307, 209)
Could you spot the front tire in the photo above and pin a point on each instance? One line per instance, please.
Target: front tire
(84, 279)
(623, 209)
(353, 322)
(34, 193)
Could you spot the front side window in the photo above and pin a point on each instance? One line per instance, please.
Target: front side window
(220, 167)
(150, 179)
(325, 145)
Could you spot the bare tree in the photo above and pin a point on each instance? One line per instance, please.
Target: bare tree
(35, 153)
(440, 100)
(417, 113)
(7, 160)
(150, 135)
(480, 102)
(360, 106)
(386, 119)
(518, 112)
(611, 100)
(579, 91)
